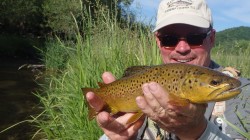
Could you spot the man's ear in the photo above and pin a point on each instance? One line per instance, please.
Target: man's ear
(212, 37)
(158, 42)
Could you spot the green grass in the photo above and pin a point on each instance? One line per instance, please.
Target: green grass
(234, 57)
(71, 66)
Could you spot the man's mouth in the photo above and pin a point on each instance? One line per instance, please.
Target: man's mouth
(183, 60)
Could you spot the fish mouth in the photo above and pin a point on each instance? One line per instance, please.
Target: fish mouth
(226, 92)
(233, 91)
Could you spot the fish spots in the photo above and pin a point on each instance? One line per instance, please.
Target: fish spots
(162, 82)
(163, 72)
(174, 89)
(186, 81)
(177, 72)
(196, 71)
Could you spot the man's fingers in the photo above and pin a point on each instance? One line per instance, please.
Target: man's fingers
(146, 108)
(116, 128)
(104, 119)
(142, 104)
(94, 101)
(159, 94)
(113, 124)
(151, 101)
(108, 77)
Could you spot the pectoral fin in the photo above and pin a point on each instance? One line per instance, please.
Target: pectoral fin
(135, 117)
(177, 101)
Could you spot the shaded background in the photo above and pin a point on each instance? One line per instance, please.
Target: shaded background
(17, 101)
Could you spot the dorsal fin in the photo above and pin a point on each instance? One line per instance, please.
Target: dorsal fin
(134, 69)
(100, 84)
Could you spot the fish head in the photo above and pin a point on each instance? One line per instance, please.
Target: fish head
(206, 85)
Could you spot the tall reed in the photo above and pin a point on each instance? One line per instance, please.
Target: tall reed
(104, 47)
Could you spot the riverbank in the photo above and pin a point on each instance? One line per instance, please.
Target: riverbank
(17, 101)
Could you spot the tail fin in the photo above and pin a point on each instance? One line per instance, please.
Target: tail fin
(92, 113)
(85, 90)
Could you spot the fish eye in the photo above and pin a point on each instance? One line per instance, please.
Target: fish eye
(215, 82)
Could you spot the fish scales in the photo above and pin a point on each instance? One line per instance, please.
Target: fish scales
(183, 82)
(132, 85)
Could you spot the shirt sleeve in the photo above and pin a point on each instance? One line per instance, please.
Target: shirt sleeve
(212, 132)
(103, 137)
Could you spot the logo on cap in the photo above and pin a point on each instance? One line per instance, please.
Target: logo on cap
(179, 3)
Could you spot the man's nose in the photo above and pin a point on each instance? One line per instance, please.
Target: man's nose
(182, 47)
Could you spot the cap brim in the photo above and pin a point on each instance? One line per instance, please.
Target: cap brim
(183, 19)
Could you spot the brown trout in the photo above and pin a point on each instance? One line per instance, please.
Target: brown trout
(183, 82)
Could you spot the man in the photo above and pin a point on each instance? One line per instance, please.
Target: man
(184, 34)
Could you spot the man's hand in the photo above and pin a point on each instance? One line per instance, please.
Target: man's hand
(187, 122)
(114, 127)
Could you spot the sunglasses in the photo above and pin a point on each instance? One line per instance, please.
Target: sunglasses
(192, 39)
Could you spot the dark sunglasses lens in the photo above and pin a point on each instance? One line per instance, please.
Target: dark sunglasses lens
(196, 39)
(169, 41)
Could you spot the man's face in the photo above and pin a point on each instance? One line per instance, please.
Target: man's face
(191, 45)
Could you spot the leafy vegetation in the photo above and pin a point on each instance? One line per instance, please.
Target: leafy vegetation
(20, 15)
(41, 18)
(237, 33)
(234, 37)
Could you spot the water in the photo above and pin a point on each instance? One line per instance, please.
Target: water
(17, 101)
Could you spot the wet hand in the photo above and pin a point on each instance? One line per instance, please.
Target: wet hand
(113, 126)
(175, 119)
